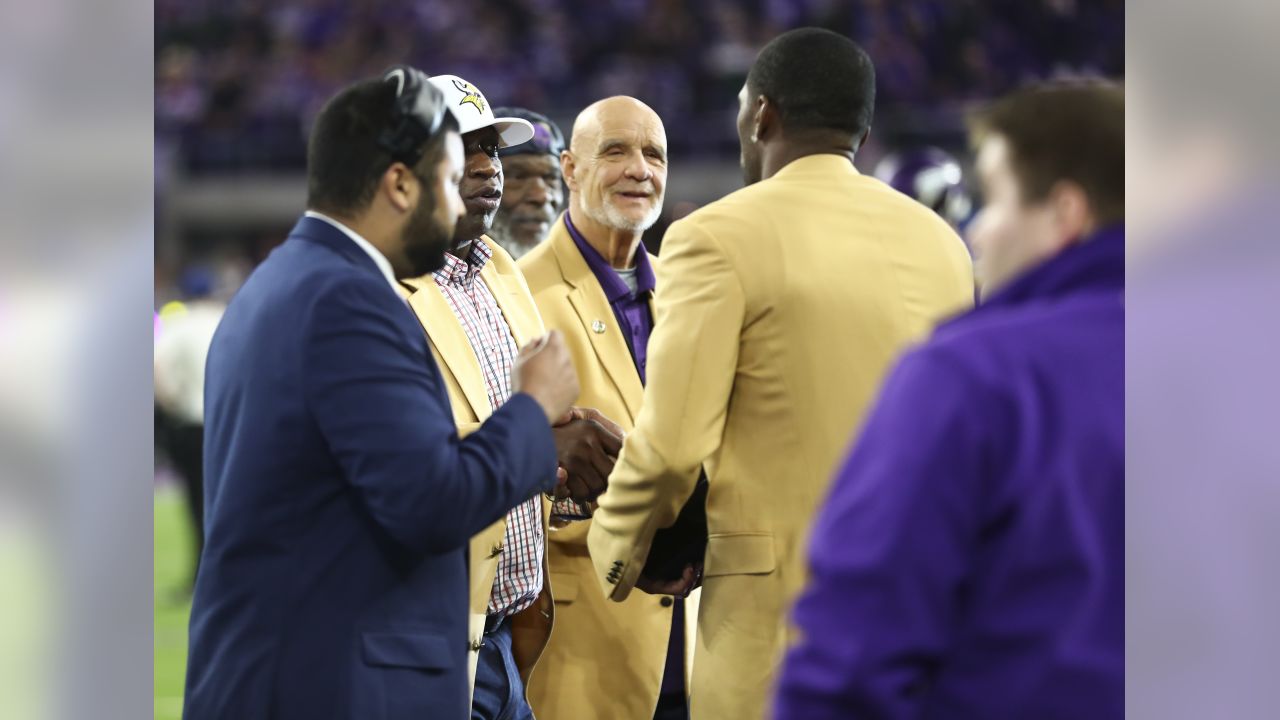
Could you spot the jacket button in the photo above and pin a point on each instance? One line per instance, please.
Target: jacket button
(667, 601)
(496, 551)
(477, 644)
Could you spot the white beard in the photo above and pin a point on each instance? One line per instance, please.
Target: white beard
(610, 216)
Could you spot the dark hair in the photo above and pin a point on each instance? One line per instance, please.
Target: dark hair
(344, 159)
(818, 79)
(1063, 131)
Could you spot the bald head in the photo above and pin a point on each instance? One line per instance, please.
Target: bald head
(616, 164)
(612, 114)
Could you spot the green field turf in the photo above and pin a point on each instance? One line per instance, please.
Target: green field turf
(173, 543)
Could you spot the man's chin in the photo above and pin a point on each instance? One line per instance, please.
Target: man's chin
(631, 220)
(471, 227)
(529, 233)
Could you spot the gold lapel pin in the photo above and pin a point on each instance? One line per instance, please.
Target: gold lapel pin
(598, 326)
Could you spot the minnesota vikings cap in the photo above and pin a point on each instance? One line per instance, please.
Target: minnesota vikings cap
(547, 138)
(472, 111)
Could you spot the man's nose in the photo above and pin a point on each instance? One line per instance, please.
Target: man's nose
(483, 166)
(637, 169)
(538, 192)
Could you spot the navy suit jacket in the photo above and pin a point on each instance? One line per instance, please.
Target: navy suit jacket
(340, 500)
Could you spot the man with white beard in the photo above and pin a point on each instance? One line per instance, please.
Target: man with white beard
(594, 281)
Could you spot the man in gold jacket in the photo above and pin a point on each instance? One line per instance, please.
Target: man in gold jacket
(593, 280)
(477, 312)
(782, 307)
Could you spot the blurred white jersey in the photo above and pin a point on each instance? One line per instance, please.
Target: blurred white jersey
(181, 348)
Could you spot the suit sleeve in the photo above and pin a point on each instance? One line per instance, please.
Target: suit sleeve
(385, 417)
(693, 356)
(889, 552)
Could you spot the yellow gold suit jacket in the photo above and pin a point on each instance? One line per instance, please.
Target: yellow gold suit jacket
(782, 307)
(470, 402)
(605, 660)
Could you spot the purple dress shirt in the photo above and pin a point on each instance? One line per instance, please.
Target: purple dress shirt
(631, 310)
(634, 317)
(969, 561)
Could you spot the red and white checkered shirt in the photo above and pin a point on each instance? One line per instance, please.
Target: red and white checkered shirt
(519, 578)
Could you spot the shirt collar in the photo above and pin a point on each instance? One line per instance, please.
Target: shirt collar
(463, 272)
(614, 287)
(384, 265)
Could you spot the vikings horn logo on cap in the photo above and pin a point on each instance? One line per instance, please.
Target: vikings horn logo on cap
(470, 95)
(461, 94)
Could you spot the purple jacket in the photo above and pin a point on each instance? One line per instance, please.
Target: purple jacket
(969, 562)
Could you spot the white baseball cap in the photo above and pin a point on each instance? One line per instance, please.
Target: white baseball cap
(473, 112)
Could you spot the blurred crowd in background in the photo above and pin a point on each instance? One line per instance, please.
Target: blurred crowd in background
(238, 81)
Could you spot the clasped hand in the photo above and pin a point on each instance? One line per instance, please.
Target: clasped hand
(587, 446)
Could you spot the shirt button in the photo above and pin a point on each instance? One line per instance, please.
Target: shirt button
(667, 601)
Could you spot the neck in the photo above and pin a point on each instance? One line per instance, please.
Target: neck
(461, 248)
(787, 152)
(617, 247)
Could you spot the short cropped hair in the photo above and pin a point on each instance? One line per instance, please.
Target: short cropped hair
(1063, 131)
(818, 79)
(344, 160)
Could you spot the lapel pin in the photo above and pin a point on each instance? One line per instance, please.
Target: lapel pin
(597, 326)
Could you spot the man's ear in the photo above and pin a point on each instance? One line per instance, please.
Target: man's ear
(567, 166)
(1072, 214)
(400, 186)
(764, 119)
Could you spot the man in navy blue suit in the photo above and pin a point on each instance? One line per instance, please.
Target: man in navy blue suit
(339, 497)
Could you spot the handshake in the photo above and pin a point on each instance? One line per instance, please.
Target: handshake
(587, 443)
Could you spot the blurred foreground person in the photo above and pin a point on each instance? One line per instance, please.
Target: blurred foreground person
(340, 499)
(780, 308)
(476, 311)
(969, 562)
(532, 189)
(594, 281)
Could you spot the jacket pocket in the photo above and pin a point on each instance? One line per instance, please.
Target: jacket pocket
(427, 651)
(747, 553)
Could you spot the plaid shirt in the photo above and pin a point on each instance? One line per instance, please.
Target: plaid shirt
(519, 578)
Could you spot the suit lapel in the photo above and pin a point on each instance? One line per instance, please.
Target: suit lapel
(506, 291)
(594, 313)
(450, 341)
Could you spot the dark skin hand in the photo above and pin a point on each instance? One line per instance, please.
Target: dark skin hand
(587, 446)
(681, 587)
